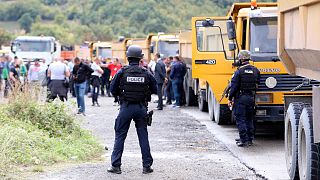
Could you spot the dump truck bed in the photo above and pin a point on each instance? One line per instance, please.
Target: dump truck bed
(185, 46)
(299, 37)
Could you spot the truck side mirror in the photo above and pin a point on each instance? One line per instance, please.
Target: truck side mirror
(13, 48)
(208, 23)
(151, 49)
(231, 29)
(232, 46)
(54, 48)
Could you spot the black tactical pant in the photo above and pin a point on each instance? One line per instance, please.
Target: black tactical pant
(128, 112)
(244, 114)
(159, 92)
(105, 85)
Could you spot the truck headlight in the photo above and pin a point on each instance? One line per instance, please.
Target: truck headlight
(264, 98)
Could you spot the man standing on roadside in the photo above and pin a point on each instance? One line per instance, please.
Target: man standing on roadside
(159, 75)
(114, 68)
(242, 97)
(81, 72)
(105, 79)
(33, 73)
(176, 75)
(95, 81)
(134, 85)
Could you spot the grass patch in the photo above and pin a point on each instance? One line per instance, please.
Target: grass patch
(37, 134)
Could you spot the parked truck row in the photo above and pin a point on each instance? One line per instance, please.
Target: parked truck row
(48, 48)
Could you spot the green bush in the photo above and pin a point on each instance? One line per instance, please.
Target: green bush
(51, 117)
(37, 134)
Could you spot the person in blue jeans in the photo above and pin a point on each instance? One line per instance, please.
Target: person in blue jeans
(176, 75)
(81, 72)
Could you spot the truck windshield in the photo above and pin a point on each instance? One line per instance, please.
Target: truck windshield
(168, 48)
(105, 52)
(33, 46)
(263, 36)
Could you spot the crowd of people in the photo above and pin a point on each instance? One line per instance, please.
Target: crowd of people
(169, 73)
(14, 73)
(83, 77)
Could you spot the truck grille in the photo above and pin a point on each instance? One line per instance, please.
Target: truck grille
(286, 82)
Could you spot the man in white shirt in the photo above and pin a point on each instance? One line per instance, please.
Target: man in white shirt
(95, 81)
(152, 65)
(58, 72)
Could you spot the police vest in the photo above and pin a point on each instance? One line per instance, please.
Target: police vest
(134, 85)
(248, 78)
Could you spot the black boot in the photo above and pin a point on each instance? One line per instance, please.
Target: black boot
(115, 170)
(147, 170)
(242, 144)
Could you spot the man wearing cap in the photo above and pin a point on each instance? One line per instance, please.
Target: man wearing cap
(134, 85)
(244, 84)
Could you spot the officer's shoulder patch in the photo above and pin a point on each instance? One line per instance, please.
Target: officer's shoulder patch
(248, 71)
(136, 79)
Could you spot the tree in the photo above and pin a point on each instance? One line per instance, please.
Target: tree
(60, 19)
(5, 37)
(25, 22)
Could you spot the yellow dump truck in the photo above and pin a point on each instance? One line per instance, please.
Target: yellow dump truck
(100, 50)
(145, 44)
(185, 52)
(165, 44)
(299, 50)
(215, 43)
(119, 49)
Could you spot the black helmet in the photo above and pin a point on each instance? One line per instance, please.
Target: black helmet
(134, 51)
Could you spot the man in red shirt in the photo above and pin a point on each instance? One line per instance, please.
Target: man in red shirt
(114, 68)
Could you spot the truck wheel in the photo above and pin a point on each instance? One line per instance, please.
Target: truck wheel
(218, 113)
(224, 116)
(202, 103)
(191, 99)
(308, 151)
(291, 138)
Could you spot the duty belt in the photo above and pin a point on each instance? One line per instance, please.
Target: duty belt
(243, 92)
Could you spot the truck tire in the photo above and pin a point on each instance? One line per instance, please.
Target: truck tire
(308, 151)
(219, 113)
(202, 103)
(291, 138)
(191, 99)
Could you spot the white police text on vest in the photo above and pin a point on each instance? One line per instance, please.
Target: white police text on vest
(135, 79)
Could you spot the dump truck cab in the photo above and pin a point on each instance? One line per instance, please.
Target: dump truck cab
(119, 49)
(36, 47)
(100, 50)
(164, 44)
(216, 42)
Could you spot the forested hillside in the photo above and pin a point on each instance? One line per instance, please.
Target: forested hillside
(73, 21)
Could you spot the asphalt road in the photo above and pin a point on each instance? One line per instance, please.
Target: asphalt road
(266, 157)
(184, 145)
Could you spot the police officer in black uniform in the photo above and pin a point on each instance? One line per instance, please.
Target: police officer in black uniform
(134, 85)
(242, 97)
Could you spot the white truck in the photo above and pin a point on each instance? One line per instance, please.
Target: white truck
(299, 50)
(36, 47)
